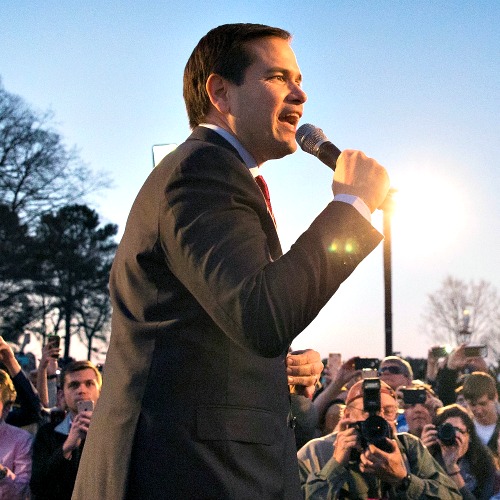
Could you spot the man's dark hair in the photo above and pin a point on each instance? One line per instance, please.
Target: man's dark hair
(477, 384)
(76, 366)
(221, 51)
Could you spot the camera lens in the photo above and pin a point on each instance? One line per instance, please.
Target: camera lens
(375, 430)
(447, 434)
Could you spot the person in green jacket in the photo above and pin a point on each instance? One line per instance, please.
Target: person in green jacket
(347, 463)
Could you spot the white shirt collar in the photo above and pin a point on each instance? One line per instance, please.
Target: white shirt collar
(245, 155)
(65, 426)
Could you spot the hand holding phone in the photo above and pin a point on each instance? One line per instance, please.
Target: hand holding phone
(54, 342)
(473, 351)
(85, 405)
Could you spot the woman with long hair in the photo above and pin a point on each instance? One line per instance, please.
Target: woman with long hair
(452, 440)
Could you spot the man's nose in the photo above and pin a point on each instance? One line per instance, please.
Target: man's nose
(297, 94)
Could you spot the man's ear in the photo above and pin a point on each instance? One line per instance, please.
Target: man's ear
(217, 90)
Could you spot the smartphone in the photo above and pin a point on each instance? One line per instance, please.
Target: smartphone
(334, 363)
(366, 363)
(54, 341)
(86, 405)
(414, 396)
(472, 351)
(440, 352)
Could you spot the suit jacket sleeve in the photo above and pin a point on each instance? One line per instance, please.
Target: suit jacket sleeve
(215, 243)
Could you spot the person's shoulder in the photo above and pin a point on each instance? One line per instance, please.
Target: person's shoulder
(318, 444)
(16, 433)
(408, 440)
(46, 429)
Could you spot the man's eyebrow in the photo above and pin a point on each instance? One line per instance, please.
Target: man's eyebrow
(286, 72)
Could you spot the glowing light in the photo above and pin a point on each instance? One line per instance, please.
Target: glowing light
(333, 247)
(430, 214)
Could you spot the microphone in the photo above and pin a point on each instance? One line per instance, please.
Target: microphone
(313, 141)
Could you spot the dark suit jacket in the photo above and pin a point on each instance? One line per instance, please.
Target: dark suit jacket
(195, 401)
(52, 477)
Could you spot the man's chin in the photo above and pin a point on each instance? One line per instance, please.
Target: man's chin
(285, 149)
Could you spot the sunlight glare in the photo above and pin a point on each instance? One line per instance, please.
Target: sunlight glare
(429, 218)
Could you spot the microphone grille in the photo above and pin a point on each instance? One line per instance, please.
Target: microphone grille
(310, 138)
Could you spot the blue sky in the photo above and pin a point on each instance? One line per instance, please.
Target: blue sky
(414, 84)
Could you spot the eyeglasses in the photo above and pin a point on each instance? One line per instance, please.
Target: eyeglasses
(393, 370)
(389, 412)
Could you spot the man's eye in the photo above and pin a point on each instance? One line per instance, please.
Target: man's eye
(281, 78)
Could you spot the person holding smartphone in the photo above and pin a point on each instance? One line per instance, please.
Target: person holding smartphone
(58, 446)
(460, 362)
(418, 412)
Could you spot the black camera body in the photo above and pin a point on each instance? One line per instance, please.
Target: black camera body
(375, 429)
(447, 434)
(413, 396)
(366, 363)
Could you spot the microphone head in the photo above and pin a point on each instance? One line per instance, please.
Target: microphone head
(310, 138)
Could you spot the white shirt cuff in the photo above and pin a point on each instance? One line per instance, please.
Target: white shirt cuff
(358, 204)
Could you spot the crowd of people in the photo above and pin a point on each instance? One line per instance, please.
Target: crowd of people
(45, 416)
(429, 448)
(410, 444)
(201, 398)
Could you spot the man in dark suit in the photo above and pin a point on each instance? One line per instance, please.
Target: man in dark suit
(195, 402)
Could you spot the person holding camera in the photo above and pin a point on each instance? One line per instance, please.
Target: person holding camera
(367, 459)
(453, 441)
(419, 403)
(333, 395)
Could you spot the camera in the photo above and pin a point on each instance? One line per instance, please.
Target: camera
(366, 363)
(440, 352)
(472, 351)
(414, 396)
(375, 429)
(446, 434)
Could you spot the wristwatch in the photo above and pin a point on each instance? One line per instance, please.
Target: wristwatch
(405, 483)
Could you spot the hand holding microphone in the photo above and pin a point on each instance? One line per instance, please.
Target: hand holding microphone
(355, 173)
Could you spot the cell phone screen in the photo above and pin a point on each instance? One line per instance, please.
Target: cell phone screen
(86, 405)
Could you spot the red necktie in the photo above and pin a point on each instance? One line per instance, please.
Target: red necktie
(265, 191)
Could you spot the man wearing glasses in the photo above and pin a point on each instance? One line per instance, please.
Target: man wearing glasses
(337, 466)
(395, 372)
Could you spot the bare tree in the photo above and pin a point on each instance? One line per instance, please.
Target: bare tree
(37, 172)
(457, 306)
(75, 256)
(94, 314)
(38, 175)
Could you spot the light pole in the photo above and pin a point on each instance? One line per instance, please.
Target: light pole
(464, 334)
(388, 209)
